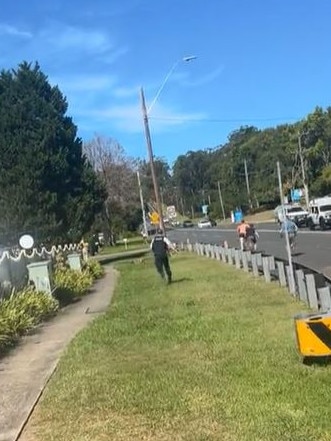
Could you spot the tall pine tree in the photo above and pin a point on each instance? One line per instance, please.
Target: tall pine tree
(47, 187)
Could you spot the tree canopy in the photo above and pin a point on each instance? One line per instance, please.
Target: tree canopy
(197, 174)
(48, 188)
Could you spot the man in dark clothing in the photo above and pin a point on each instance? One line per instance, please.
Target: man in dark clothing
(161, 246)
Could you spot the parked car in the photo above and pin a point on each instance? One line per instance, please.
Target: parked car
(294, 212)
(204, 223)
(188, 224)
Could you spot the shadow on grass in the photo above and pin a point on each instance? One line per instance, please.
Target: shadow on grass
(183, 279)
(317, 361)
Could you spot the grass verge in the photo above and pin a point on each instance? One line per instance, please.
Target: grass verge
(210, 357)
(135, 243)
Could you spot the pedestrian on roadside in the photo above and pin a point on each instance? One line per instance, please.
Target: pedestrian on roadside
(242, 231)
(161, 247)
(253, 235)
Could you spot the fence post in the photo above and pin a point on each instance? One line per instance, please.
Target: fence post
(254, 265)
(281, 273)
(291, 286)
(237, 259)
(245, 261)
(300, 276)
(311, 291)
(272, 265)
(266, 269)
(325, 298)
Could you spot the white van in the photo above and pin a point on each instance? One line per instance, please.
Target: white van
(319, 213)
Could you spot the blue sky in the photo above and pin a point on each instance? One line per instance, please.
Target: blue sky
(258, 62)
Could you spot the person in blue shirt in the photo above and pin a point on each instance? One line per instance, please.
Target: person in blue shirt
(291, 228)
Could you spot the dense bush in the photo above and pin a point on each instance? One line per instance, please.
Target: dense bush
(21, 312)
(94, 268)
(71, 284)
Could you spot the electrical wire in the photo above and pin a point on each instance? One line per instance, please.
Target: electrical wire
(220, 120)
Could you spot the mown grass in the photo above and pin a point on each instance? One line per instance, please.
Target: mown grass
(211, 357)
(134, 243)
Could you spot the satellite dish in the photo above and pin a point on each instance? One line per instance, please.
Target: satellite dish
(26, 241)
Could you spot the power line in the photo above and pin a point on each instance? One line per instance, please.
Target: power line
(220, 120)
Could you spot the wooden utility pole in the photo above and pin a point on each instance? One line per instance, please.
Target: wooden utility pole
(221, 198)
(142, 204)
(151, 160)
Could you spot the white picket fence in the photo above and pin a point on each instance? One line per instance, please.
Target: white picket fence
(309, 287)
(13, 270)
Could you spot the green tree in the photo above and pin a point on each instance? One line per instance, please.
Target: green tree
(48, 188)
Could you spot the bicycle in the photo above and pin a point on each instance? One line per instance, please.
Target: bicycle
(292, 240)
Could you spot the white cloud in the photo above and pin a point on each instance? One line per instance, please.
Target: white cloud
(69, 37)
(6, 29)
(126, 92)
(205, 79)
(85, 83)
(129, 117)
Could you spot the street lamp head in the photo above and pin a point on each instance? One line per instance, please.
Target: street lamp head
(189, 58)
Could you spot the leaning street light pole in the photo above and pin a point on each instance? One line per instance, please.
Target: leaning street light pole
(151, 159)
(145, 113)
(166, 78)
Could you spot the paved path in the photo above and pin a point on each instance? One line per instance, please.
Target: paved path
(25, 372)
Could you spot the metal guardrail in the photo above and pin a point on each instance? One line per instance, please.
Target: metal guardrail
(311, 287)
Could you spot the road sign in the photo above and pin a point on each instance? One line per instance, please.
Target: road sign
(154, 217)
(205, 209)
(171, 212)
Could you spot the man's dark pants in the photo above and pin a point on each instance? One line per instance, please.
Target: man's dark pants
(162, 264)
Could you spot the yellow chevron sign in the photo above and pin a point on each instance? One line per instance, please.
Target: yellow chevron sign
(313, 332)
(154, 217)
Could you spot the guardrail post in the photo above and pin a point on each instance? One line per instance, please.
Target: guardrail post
(291, 286)
(212, 251)
(259, 259)
(281, 273)
(223, 253)
(218, 253)
(300, 276)
(228, 255)
(237, 259)
(325, 298)
(311, 291)
(245, 261)
(266, 269)
(232, 256)
(255, 266)
(272, 265)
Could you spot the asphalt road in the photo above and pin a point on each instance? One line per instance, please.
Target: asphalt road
(313, 247)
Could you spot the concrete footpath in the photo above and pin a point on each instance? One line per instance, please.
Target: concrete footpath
(25, 372)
